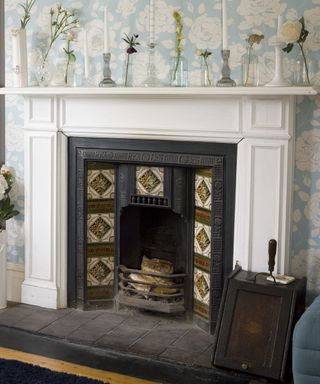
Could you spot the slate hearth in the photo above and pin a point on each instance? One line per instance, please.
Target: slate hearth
(164, 349)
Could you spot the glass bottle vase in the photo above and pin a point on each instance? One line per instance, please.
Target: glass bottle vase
(179, 72)
(128, 75)
(206, 79)
(304, 70)
(249, 63)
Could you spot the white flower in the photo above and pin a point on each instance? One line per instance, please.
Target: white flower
(308, 151)
(5, 169)
(3, 186)
(290, 31)
(126, 7)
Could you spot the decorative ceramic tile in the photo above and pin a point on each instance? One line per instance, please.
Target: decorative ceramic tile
(100, 231)
(201, 286)
(100, 228)
(100, 271)
(203, 189)
(202, 240)
(150, 181)
(101, 183)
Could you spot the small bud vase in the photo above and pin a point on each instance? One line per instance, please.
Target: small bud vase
(206, 79)
(3, 268)
(128, 71)
(179, 72)
(249, 64)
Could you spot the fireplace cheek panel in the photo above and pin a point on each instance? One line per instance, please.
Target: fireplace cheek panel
(193, 191)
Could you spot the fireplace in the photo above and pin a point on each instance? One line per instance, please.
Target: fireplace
(258, 121)
(151, 225)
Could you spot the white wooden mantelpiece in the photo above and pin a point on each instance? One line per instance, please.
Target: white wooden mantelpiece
(260, 120)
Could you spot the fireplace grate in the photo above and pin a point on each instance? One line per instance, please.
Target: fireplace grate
(155, 201)
(163, 293)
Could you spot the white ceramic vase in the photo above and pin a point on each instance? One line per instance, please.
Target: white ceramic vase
(19, 58)
(3, 269)
(279, 79)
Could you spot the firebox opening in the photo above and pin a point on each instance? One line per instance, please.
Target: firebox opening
(154, 233)
(153, 259)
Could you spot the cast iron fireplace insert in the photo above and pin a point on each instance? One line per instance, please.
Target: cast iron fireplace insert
(132, 201)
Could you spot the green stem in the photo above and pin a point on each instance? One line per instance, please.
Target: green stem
(305, 62)
(248, 66)
(208, 73)
(127, 70)
(68, 63)
(176, 66)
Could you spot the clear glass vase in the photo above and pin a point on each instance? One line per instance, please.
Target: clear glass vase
(206, 78)
(249, 64)
(128, 75)
(305, 69)
(43, 71)
(64, 74)
(179, 72)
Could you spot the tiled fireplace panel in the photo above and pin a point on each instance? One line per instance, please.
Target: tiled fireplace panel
(117, 187)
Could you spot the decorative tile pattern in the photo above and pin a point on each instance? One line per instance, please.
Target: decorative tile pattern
(100, 231)
(150, 181)
(100, 228)
(100, 182)
(202, 242)
(100, 271)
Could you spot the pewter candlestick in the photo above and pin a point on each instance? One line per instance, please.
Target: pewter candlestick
(226, 81)
(107, 81)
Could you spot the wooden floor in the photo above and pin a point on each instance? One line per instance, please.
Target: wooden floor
(62, 366)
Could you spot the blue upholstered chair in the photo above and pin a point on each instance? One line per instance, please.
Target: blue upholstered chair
(306, 346)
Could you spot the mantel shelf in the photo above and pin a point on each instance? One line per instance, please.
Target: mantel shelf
(160, 92)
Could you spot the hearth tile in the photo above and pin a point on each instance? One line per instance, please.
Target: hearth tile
(194, 340)
(100, 228)
(13, 315)
(63, 327)
(41, 318)
(112, 317)
(205, 358)
(121, 337)
(202, 242)
(92, 331)
(203, 188)
(201, 286)
(155, 342)
(150, 181)
(186, 357)
(101, 182)
(142, 321)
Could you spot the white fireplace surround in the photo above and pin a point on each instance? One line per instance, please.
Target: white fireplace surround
(260, 120)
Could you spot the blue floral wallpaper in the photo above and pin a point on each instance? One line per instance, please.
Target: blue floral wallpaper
(202, 30)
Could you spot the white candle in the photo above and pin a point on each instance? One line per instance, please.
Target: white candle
(106, 31)
(280, 22)
(151, 22)
(85, 54)
(224, 25)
